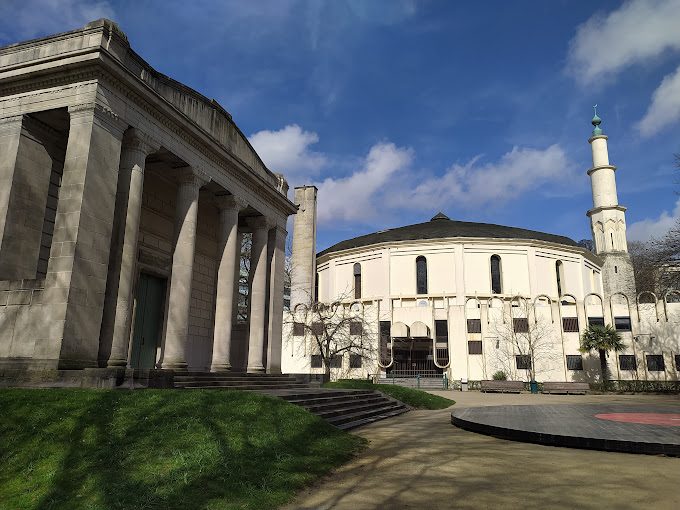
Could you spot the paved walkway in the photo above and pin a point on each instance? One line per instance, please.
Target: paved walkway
(419, 460)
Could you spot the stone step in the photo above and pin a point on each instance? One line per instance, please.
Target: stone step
(342, 404)
(239, 382)
(327, 414)
(365, 421)
(318, 400)
(255, 388)
(377, 413)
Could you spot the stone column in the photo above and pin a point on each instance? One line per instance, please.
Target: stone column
(73, 300)
(258, 293)
(277, 237)
(190, 181)
(10, 135)
(122, 266)
(228, 257)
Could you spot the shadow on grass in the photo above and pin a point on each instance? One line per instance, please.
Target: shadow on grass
(160, 449)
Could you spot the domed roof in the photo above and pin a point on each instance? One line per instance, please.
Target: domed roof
(441, 227)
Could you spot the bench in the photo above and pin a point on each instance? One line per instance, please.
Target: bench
(566, 387)
(502, 386)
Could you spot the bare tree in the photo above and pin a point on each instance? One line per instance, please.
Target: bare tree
(335, 329)
(525, 337)
(657, 264)
(244, 278)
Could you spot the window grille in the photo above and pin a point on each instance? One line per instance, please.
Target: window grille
(355, 328)
(570, 324)
(475, 347)
(355, 361)
(523, 361)
(474, 325)
(574, 362)
(298, 329)
(421, 275)
(595, 321)
(317, 328)
(316, 361)
(655, 363)
(622, 323)
(627, 362)
(520, 324)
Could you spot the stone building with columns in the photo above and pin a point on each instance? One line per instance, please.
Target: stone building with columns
(465, 300)
(124, 196)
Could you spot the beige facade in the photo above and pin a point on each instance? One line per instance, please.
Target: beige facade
(124, 196)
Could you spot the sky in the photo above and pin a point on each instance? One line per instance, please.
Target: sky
(398, 109)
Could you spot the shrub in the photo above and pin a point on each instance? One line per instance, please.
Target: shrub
(500, 376)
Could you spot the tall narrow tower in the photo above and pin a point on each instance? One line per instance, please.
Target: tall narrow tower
(608, 219)
(303, 275)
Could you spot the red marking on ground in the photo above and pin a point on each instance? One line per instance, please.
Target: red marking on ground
(646, 418)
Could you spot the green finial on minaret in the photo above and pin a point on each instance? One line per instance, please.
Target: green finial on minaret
(596, 122)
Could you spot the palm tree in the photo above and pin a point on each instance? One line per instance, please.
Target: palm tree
(602, 339)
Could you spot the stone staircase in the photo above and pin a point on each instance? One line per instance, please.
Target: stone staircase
(236, 381)
(426, 383)
(345, 409)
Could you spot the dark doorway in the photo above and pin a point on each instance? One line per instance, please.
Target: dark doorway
(413, 357)
(148, 316)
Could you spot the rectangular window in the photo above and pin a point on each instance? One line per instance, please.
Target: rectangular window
(474, 325)
(441, 332)
(521, 324)
(677, 362)
(574, 362)
(475, 347)
(655, 363)
(595, 321)
(570, 324)
(316, 361)
(317, 328)
(523, 361)
(622, 323)
(355, 360)
(298, 329)
(355, 328)
(335, 361)
(627, 362)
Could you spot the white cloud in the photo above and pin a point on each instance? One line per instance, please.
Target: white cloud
(653, 227)
(23, 20)
(665, 107)
(477, 185)
(287, 151)
(634, 33)
(357, 197)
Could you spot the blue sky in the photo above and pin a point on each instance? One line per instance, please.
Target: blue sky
(397, 109)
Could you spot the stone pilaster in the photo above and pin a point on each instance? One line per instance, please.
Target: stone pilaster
(277, 238)
(122, 262)
(228, 257)
(10, 135)
(190, 181)
(75, 284)
(258, 293)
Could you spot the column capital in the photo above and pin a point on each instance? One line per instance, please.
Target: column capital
(230, 203)
(138, 141)
(105, 116)
(191, 175)
(279, 231)
(259, 223)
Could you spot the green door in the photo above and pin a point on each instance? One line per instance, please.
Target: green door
(148, 316)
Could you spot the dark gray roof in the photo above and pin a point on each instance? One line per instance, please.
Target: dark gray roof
(440, 227)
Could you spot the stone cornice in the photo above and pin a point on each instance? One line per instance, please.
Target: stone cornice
(591, 139)
(601, 167)
(606, 208)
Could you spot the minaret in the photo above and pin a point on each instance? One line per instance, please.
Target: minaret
(608, 219)
(303, 270)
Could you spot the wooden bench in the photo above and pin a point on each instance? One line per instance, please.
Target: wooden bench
(502, 386)
(566, 387)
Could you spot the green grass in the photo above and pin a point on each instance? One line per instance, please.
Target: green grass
(108, 449)
(414, 398)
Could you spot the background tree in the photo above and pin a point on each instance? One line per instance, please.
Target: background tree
(602, 339)
(336, 329)
(523, 330)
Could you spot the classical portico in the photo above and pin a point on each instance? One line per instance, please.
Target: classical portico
(124, 199)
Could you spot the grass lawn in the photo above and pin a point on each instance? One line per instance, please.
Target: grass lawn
(414, 398)
(108, 449)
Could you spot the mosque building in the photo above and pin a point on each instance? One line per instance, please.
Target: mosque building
(467, 300)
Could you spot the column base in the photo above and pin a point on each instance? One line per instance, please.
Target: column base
(255, 370)
(178, 366)
(116, 363)
(221, 367)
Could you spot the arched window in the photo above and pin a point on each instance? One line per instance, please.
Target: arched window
(559, 275)
(421, 275)
(496, 287)
(357, 281)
